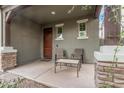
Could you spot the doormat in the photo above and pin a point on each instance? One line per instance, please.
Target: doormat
(45, 60)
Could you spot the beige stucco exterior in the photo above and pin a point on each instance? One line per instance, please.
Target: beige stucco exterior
(71, 42)
(27, 38)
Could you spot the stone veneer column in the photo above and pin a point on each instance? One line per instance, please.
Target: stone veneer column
(7, 58)
(102, 74)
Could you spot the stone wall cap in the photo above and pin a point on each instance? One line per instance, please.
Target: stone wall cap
(108, 57)
(7, 50)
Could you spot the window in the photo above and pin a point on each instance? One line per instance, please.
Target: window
(59, 34)
(59, 31)
(82, 27)
(82, 31)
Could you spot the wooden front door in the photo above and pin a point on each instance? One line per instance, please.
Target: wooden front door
(48, 43)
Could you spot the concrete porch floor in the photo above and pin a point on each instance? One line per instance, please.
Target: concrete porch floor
(43, 72)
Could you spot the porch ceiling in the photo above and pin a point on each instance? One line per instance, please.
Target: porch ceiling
(42, 13)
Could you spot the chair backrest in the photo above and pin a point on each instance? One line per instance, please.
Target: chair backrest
(78, 54)
(60, 53)
(78, 51)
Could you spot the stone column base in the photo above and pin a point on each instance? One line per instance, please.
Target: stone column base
(7, 58)
(104, 77)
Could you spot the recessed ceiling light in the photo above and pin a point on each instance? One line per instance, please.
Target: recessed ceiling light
(53, 12)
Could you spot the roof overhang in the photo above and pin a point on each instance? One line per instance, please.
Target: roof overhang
(41, 13)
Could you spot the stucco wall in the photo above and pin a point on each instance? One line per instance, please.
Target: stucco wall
(26, 38)
(71, 42)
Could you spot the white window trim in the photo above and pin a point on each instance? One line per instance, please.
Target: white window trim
(82, 21)
(59, 25)
(59, 38)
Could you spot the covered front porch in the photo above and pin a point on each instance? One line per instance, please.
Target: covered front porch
(36, 31)
(43, 72)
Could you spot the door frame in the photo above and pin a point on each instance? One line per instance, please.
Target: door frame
(44, 41)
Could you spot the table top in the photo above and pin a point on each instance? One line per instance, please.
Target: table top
(68, 61)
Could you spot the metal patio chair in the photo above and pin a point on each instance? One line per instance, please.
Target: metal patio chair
(78, 54)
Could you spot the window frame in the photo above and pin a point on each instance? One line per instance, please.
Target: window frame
(85, 31)
(57, 26)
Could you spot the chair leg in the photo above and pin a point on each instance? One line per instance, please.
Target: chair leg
(77, 70)
(55, 68)
(80, 64)
(60, 65)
